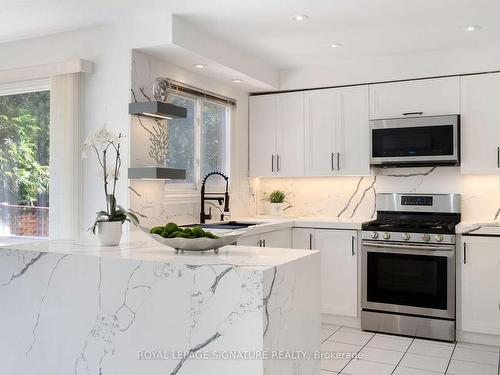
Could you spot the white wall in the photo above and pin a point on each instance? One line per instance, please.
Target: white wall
(430, 64)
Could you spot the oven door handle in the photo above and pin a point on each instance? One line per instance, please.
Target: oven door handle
(409, 247)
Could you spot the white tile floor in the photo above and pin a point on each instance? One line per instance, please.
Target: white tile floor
(380, 354)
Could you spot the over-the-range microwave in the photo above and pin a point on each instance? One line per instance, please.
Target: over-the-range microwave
(415, 141)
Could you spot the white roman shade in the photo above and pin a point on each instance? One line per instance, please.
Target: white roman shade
(65, 147)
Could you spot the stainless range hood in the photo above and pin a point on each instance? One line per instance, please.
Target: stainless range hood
(157, 109)
(156, 173)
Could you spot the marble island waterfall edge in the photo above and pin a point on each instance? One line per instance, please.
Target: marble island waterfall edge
(71, 313)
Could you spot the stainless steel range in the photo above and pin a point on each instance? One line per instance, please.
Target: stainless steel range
(408, 266)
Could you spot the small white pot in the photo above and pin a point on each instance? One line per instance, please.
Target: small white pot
(277, 209)
(109, 232)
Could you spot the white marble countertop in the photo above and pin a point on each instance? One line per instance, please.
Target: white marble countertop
(138, 246)
(270, 223)
(478, 228)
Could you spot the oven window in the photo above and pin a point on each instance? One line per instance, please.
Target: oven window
(410, 280)
(413, 141)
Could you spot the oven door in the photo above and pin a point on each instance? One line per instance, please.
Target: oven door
(415, 140)
(409, 279)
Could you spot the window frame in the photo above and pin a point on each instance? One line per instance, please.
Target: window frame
(187, 191)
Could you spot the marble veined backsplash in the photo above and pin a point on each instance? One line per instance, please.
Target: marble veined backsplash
(354, 197)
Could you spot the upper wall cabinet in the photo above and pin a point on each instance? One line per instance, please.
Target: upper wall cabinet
(276, 139)
(262, 135)
(427, 97)
(480, 124)
(336, 132)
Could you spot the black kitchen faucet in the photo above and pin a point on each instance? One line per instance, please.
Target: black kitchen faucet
(218, 198)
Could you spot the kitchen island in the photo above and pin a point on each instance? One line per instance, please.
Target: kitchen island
(71, 306)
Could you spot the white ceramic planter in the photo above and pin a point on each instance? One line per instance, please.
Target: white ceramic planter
(276, 209)
(109, 232)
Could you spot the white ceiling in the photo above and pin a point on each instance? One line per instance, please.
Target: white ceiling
(265, 29)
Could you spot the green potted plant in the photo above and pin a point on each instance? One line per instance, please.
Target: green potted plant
(109, 222)
(277, 200)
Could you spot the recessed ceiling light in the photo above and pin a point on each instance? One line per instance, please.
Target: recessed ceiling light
(336, 45)
(473, 28)
(237, 80)
(200, 66)
(300, 17)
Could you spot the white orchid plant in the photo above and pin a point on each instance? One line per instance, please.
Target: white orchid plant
(102, 142)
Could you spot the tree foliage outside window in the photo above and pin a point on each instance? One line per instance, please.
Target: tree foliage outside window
(181, 152)
(200, 142)
(214, 139)
(24, 148)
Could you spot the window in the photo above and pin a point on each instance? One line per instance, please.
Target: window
(199, 143)
(24, 161)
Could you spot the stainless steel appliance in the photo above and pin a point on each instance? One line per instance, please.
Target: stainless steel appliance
(408, 266)
(433, 140)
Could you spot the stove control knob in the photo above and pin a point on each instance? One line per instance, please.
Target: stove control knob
(386, 235)
(439, 237)
(374, 235)
(426, 238)
(406, 236)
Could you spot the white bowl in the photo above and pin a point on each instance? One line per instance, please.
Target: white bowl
(196, 244)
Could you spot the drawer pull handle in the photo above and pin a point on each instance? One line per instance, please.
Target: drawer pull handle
(412, 113)
(465, 253)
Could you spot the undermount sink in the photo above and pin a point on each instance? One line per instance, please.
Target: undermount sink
(231, 225)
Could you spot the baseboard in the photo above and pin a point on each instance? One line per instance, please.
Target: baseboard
(338, 320)
(478, 338)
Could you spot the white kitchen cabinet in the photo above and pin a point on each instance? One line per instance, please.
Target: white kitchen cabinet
(480, 124)
(276, 135)
(249, 240)
(337, 132)
(339, 267)
(303, 238)
(431, 97)
(290, 135)
(480, 284)
(279, 238)
(262, 135)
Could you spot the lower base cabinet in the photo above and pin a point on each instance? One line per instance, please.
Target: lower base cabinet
(339, 266)
(278, 238)
(480, 284)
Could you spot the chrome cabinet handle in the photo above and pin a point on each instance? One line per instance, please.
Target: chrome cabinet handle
(277, 163)
(272, 163)
(498, 157)
(338, 161)
(412, 113)
(465, 253)
(352, 245)
(310, 241)
(331, 161)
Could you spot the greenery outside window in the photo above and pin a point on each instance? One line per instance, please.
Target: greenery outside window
(24, 160)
